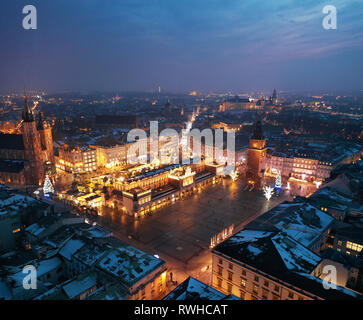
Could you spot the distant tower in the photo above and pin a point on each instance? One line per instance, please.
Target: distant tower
(46, 138)
(274, 97)
(32, 144)
(167, 109)
(255, 157)
(262, 100)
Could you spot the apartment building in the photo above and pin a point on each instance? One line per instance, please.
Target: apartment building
(77, 159)
(267, 265)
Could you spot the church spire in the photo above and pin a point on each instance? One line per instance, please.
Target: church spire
(258, 132)
(42, 124)
(27, 115)
(274, 97)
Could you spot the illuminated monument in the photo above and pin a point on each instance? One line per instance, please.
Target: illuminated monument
(26, 158)
(255, 157)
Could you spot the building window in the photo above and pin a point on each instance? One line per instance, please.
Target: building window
(243, 283)
(277, 288)
(220, 270)
(242, 294)
(291, 295)
(256, 278)
(219, 282)
(354, 246)
(264, 294)
(230, 275)
(220, 261)
(265, 283)
(244, 272)
(229, 288)
(231, 266)
(255, 288)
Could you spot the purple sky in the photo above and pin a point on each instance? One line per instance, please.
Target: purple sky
(182, 45)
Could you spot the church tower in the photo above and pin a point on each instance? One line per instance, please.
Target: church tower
(46, 139)
(32, 145)
(274, 97)
(262, 100)
(255, 157)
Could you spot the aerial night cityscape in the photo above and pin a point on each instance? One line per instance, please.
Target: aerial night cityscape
(205, 152)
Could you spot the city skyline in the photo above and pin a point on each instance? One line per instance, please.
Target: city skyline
(199, 152)
(181, 46)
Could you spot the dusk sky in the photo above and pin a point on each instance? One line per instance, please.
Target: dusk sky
(203, 45)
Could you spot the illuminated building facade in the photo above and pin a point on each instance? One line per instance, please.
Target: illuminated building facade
(111, 156)
(25, 158)
(256, 155)
(238, 103)
(305, 169)
(268, 265)
(77, 159)
(153, 190)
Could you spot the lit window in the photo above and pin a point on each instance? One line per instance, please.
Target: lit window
(354, 246)
(255, 289)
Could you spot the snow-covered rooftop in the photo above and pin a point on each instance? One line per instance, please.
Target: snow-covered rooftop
(43, 267)
(128, 263)
(193, 289)
(80, 285)
(70, 248)
(13, 201)
(300, 220)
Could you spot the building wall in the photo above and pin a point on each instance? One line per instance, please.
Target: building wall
(255, 161)
(46, 139)
(77, 161)
(111, 156)
(10, 231)
(342, 273)
(152, 287)
(247, 283)
(34, 153)
(347, 246)
(10, 154)
(13, 178)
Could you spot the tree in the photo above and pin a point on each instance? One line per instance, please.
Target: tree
(268, 192)
(47, 187)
